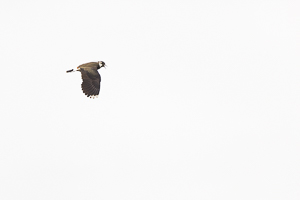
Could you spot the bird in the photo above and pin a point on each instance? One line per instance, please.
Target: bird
(90, 78)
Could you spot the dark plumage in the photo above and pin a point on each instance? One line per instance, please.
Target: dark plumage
(90, 78)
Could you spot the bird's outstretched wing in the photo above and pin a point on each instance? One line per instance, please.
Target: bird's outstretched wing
(90, 82)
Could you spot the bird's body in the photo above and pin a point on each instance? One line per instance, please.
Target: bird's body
(90, 78)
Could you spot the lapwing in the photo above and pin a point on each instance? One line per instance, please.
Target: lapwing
(90, 78)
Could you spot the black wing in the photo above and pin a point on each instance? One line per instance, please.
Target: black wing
(90, 82)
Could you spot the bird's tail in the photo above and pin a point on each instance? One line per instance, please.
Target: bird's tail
(72, 70)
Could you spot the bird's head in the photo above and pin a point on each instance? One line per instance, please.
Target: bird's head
(101, 64)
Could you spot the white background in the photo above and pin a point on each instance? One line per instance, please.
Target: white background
(200, 100)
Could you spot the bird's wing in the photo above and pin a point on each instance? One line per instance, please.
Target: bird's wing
(90, 81)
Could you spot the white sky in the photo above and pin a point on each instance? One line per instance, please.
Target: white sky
(200, 100)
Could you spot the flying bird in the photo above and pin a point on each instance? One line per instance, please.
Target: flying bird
(90, 78)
